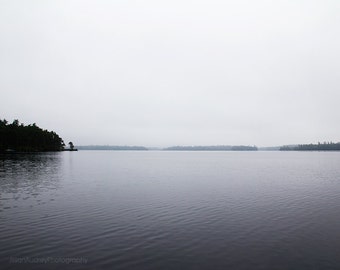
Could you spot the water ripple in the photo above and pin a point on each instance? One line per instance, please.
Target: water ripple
(161, 210)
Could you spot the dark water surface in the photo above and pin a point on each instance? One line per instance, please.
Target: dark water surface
(170, 210)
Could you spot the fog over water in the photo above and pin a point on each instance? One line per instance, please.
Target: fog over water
(158, 73)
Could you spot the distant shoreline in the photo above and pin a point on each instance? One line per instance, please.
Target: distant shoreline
(326, 146)
(112, 147)
(172, 148)
(228, 148)
(212, 148)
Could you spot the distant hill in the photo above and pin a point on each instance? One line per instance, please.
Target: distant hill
(212, 148)
(112, 147)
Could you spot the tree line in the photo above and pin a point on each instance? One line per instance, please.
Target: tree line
(212, 148)
(326, 146)
(111, 147)
(28, 138)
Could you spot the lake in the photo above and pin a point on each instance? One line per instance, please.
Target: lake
(170, 210)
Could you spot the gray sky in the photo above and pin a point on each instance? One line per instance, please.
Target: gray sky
(161, 73)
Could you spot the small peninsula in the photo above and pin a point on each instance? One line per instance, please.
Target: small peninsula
(16, 137)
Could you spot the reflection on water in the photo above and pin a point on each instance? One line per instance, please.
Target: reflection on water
(26, 178)
(170, 210)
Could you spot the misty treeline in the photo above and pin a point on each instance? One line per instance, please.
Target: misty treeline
(111, 147)
(326, 146)
(16, 136)
(212, 148)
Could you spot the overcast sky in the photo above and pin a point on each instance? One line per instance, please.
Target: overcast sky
(161, 73)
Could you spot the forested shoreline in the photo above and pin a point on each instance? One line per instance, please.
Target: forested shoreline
(212, 148)
(18, 137)
(112, 147)
(326, 146)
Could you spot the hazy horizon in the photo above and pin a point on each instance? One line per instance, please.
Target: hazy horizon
(160, 74)
(192, 145)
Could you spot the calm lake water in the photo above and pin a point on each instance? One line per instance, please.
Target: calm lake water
(170, 210)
